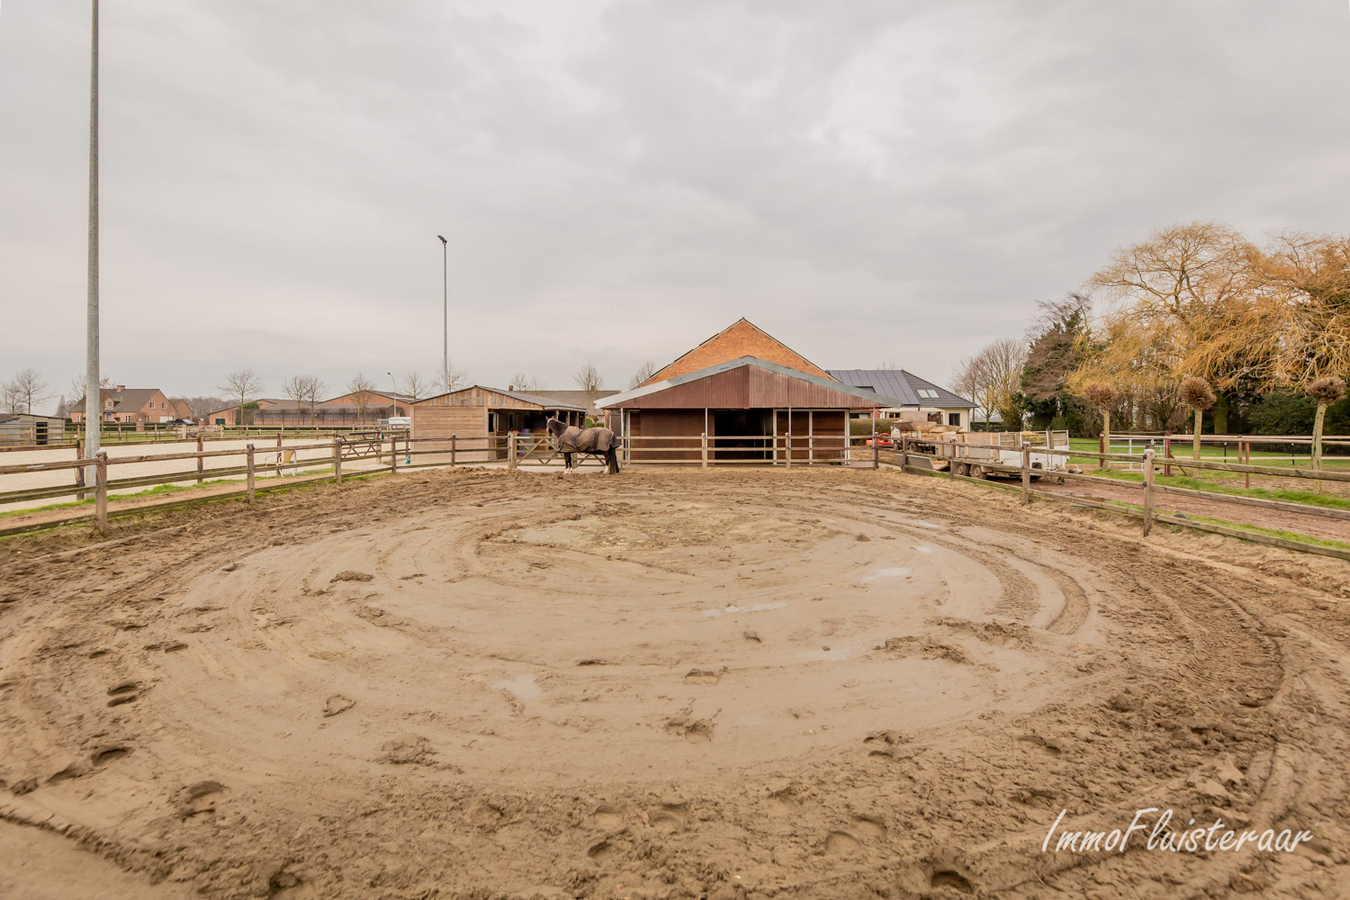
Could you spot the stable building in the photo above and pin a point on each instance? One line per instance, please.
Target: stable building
(757, 400)
(479, 418)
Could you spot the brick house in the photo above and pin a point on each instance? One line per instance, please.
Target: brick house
(134, 406)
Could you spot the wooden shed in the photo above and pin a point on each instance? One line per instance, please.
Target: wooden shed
(480, 417)
(748, 407)
(22, 429)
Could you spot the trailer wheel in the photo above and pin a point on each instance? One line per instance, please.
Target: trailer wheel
(978, 472)
(962, 469)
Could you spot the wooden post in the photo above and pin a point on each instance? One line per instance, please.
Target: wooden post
(452, 451)
(703, 442)
(787, 441)
(200, 462)
(393, 455)
(951, 460)
(1167, 456)
(101, 492)
(511, 450)
(1245, 456)
(79, 470)
(337, 460)
(1026, 475)
(252, 473)
(1148, 491)
(876, 443)
(904, 453)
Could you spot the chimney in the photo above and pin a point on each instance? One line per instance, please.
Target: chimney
(121, 388)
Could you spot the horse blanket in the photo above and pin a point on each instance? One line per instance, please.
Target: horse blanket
(571, 439)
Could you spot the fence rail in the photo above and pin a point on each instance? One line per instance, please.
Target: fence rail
(1149, 464)
(333, 460)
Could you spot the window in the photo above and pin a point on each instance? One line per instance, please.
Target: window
(954, 419)
(928, 393)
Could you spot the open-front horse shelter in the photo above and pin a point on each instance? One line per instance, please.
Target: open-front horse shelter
(480, 418)
(754, 398)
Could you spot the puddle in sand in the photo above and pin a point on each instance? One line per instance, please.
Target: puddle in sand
(893, 572)
(923, 549)
(758, 607)
(522, 687)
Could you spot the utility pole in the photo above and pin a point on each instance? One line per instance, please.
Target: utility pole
(93, 398)
(445, 299)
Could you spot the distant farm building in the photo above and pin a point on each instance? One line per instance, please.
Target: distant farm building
(480, 417)
(748, 392)
(347, 411)
(910, 396)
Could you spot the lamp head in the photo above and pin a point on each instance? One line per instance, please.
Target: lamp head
(442, 237)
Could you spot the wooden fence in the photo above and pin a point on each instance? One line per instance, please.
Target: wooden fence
(367, 454)
(1149, 464)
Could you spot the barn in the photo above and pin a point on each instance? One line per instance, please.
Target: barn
(757, 400)
(480, 418)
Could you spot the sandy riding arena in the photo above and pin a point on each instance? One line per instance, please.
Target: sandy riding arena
(663, 684)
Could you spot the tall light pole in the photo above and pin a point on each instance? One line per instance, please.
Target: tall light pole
(93, 399)
(445, 298)
(392, 399)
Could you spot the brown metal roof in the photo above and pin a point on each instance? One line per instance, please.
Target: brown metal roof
(746, 383)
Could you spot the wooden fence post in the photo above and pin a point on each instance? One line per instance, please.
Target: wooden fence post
(337, 460)
(876, 447)
(79, 470)
(904, 453)
(703, 444)
(511, 450)
(1167, 456)
(951, 461)
(1245, 457)
(1148, 491)
(1026, 475)
(200, 462)
(393, 455)
(101, 492)
(452, 451)
(252, 471)
(787, 442)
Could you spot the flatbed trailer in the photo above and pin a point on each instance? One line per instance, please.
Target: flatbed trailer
(991, 454)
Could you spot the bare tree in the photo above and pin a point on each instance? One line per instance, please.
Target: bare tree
(27, 388)
(588, 379)
(645, 371)
(361, 389)
(992, 378)
(416, 387)
(452, 379)
(888, 364)
(10, 399)
(527, 383)
(241, 385)
(304, 389)
(201, 406)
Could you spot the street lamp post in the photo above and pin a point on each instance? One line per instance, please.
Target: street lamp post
(93, 399)
(445, 300)
(392, 399)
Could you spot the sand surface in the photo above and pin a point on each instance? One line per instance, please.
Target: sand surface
(665, 684)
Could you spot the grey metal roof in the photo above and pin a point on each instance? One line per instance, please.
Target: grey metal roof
(536, 399)
(901, 387)
(576, 398)
(844, 388)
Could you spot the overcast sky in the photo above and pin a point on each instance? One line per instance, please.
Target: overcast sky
(866, 180)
